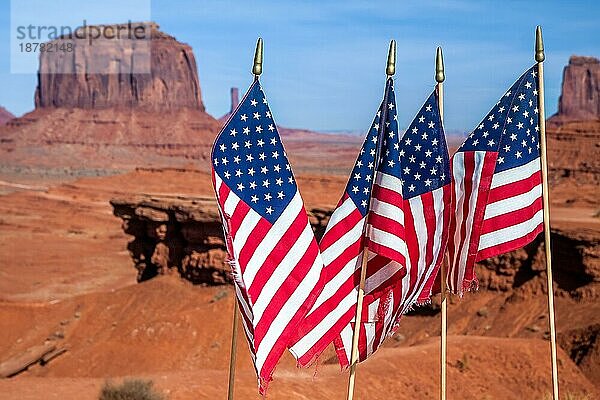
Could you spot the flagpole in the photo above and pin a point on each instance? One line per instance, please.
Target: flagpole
(440, 77)
(354, 355)
(540, 57)
(256, 70)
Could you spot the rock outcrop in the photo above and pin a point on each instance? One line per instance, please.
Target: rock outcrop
(574, 133)
(5, 115)
(580, 98)
(182, 235)
(167, 78)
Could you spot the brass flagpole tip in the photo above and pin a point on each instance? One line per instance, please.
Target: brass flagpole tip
(440, 76)
(539, 45)
(390, 70)
(258, 58)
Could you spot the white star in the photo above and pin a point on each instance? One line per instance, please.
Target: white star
(526, 114)
(223, 147)
(227, 174)
(235, 145)
(428, 153)
(232, 132)
(357, 176)
(256, 115)
(418, 147)
(491, 117)
(496, 125)
(238, 173)
(491, 142)
(259, 129)
(407, 170)
(262, 156)
(275, 155)
(247, 144)
(424, 136)
(485, 134)
(240, 186)
(513, 137)
(518, 154)
(515, 108)
(254, 198)
(355, 189)
(439, 159)
(407, 142)
(434, 142)
(391, 106)
(268, 114)
(264, 170)
(501, 109)
(279, 181)
(244, 117)
(412, 188)
(421, 119)
(417, 176)
(415, 130)
(363, 203)
(475, 142)
(427, 182)
(290, 180)
(277, 168)
(273, 141)
(216, 161)
(521, 97)
(253, 185)
(500, 160)
(253, 102)
(246, 130)
(271, 128)
(520, 125)
(280, 195)
(269, 210)
(422, 164)
(366, 190)
(224, 161)
(266, 183)
(391, 163)
(507, 148)
(428, 108)
(251, 171)
(260, 142)
(528, 85)
(412, 159)
(236, 159)
(433, 171)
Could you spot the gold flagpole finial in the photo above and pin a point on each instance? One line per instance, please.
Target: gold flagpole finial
(539, 45)
(440, 76)
(258, 58)
(390, 70)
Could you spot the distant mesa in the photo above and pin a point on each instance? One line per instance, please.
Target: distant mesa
(580, 97)
(157, 73)
(114, 105)
(5, 115)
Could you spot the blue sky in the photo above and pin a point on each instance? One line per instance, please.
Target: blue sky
(325, 60)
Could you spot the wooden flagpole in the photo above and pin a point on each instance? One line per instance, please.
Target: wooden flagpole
(540, 57)
(440, 77)
(354, 355)
(256, 70)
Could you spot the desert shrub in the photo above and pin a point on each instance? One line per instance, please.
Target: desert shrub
(130, 389)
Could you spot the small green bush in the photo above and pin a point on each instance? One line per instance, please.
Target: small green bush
(130, 389)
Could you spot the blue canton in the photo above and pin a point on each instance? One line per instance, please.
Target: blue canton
(249, 157)
(423, 152)
(361, 179)
(511, 127)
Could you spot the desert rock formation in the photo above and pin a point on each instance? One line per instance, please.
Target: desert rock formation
(169, 81)
(580, 98)
(5, 115)
(182, 234)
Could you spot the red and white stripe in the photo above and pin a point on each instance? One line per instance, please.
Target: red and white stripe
(493, 212)
(341, 249)
(514, 211)
(277, 269)
(426, 239)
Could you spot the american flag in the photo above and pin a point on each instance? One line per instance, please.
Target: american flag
(497, 184)
(343, 242)
(424, 210)
(274, 256)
